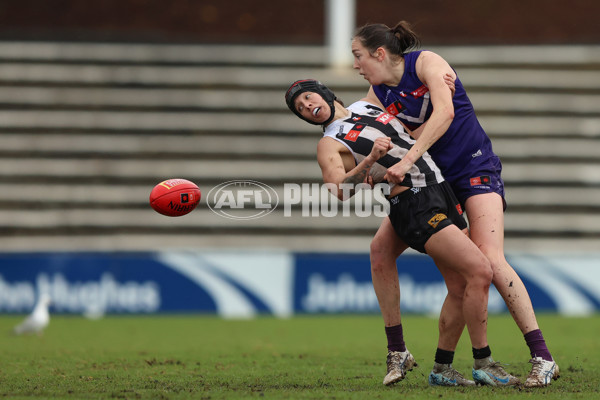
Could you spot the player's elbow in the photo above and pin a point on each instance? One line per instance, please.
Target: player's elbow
(448, 113)
(443, 115)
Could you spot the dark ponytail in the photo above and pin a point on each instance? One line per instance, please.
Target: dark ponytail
(397, 40)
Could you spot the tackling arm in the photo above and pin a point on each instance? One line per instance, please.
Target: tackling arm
(431, 70)
(334, 160)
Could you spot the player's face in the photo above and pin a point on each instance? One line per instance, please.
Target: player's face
(312, 107)
(366, 64)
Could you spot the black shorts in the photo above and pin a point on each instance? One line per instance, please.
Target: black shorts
(416, 214)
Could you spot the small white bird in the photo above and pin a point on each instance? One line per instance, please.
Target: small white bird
(38, 319)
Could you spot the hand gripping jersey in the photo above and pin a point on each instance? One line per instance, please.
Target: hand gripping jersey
(368, 122)
(465, 149)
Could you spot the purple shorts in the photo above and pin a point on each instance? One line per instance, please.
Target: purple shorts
(482, 178)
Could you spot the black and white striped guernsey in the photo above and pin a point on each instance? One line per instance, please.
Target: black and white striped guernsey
(365, 124)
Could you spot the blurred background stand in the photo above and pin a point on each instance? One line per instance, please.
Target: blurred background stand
(100, 101)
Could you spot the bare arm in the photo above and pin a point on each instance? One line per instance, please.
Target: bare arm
(449, 79)
(334, 160)
(431, 70)
(371, 97)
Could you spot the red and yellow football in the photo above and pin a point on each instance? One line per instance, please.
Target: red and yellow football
(175, 197)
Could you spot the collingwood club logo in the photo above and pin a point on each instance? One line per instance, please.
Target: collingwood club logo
(242, 199)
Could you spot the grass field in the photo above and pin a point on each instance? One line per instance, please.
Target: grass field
(328, 357)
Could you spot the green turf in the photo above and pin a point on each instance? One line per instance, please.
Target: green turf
(330, 357)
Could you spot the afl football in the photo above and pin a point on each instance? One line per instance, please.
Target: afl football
(175, 197)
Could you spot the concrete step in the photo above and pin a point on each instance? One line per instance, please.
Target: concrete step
(153, 121)
(536, 126)
(566, 174)
(131, 241)
(162, 53)
(276, 146)
(196, 170)
(279, 78)
(173, 145)
(353, 242)
(202, 219)
(43, 120)
(81, 221)
(536, 199)
(543, 103)
(531, 149)
(547, 55)
(267, 100)
(581, 173)
(139, 146)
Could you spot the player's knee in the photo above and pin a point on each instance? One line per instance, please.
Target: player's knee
(482, 274)
(495, 257)
(486, 274)
(456, 290)
(382, 255)
(380, 262)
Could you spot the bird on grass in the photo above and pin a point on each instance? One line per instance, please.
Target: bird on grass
(38, 320)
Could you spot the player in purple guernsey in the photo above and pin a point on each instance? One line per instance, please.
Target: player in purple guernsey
(411, 85)
(464, 148)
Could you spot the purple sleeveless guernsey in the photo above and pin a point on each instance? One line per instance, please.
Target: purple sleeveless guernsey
(464, 153)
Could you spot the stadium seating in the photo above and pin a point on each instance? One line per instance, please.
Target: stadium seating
(86, 131)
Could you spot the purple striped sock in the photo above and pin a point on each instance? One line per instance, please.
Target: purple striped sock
(537, 345)
(395, 338)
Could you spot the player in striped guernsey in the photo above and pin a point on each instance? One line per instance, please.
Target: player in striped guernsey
(360, 144)
(361, 129)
